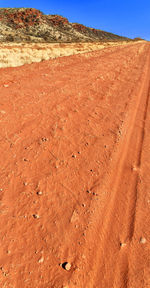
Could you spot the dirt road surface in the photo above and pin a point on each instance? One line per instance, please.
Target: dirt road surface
(75, 173)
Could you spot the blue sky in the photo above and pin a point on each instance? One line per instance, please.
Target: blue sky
(129, 18)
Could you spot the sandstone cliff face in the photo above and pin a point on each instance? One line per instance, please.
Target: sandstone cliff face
(31, 25)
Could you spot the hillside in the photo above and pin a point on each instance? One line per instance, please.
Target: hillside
(31, 25)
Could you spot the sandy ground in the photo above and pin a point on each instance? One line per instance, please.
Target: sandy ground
(18, 54)
(75, 174)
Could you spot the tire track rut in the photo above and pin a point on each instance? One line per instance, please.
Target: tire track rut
(127, 184)
(123, 187)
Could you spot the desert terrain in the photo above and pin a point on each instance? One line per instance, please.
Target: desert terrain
(75, 174)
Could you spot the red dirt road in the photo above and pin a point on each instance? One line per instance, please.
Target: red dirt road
(75, 174)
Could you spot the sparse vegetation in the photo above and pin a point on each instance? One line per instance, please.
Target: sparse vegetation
(17, 54)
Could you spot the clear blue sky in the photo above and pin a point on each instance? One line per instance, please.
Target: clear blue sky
(129, 18)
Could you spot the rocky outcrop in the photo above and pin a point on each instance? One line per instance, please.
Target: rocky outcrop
(31, 25)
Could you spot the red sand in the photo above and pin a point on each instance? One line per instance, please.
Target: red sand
(76, 129)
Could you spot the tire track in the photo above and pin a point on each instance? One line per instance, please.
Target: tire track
(137, 170)
(121, 209)
(131, 179)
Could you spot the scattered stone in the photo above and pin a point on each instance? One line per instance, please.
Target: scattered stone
(25, 183)
(79, 152)
(95, 194)
(41, 260)
(36, 216)
(83, 205)
(135, 168)
(66, 266)
(6, 85)
(88, 191)
(142, 240)
(123, 245)
(39, 193)
(44, 139)
(73, 156)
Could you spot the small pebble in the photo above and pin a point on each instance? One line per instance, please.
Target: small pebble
(39, 193)
(135, 168)
(41, 260)
(36, 216)
(73, 156)
(95, 194)
(44, 139)
(66, 266)
(88, 191)
(123, 244)
(25, 183)
(142, 240)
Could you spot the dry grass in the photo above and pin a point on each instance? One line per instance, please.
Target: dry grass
(13, 54)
